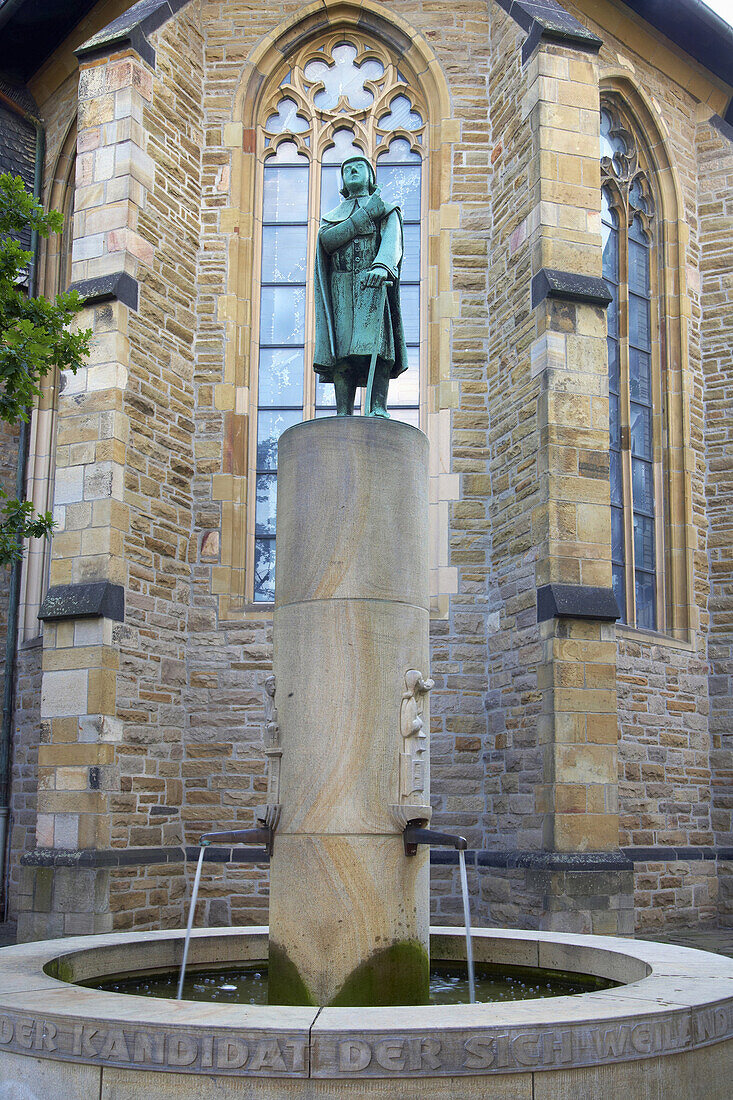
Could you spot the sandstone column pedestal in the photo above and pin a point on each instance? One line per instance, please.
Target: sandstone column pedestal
(349, 912)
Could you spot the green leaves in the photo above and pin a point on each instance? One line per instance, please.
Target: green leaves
(34, 339)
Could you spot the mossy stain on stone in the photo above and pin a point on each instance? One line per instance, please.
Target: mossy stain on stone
(285, 984)
(397, 975)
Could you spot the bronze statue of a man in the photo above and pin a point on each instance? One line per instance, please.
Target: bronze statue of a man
(358, 317)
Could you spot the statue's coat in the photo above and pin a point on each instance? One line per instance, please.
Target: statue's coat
(347, 321)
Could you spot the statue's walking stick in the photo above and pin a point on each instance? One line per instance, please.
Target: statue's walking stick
(377, 346)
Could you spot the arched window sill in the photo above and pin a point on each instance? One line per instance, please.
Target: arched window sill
(654, 637)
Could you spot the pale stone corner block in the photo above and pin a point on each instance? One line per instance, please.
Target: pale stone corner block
(104, 164)
(447, 580)
(66, 831)
(73, 383)
(69, 485)
(450, 129)
(241, 400)
(549, 350)
(448, 394)
(103, 480)
(64, 693)
(106, 377)
(44, 830)
(85, 248)
(450, 216)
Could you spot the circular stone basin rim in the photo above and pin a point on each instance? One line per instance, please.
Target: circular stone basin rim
(674, 1000)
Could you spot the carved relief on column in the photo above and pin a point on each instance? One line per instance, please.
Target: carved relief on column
(414, 792)
(270, 813)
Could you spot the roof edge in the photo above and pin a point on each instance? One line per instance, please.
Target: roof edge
(131, 30)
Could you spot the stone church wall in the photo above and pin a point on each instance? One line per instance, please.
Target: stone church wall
(189, 677)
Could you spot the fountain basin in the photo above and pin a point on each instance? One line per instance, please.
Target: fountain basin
(668, 1030)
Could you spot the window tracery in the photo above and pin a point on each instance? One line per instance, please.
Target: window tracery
(338, 97)
(630, 248)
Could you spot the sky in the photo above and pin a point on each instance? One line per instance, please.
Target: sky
(722, 7)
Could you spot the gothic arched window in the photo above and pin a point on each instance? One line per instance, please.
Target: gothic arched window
(337, 97)
(630, 248)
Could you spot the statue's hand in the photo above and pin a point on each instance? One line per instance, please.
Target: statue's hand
(376, 277)
(375, 208)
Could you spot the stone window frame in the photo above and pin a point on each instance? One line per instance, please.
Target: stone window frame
(312, 144)
(675, 538)
(232, 575)
(55, 267)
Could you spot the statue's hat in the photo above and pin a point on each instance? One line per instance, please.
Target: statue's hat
(372, 176)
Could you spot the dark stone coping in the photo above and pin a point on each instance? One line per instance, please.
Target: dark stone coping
(130, 857)
(546, 19)
(576, 601)
(724, 126)
(622, 860)
(131, 30)
(106, 288)
(673, 855)
(536, 861)
(551, 283)
(99, 599)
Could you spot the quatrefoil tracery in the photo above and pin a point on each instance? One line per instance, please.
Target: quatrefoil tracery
(343, 85)
(624, 172)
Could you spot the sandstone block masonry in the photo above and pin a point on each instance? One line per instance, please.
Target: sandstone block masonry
(573, 752)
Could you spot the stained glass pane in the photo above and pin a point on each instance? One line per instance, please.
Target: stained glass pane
(287, 153)
(640, 376)
(285, 194)
(270, 426)
(410, 298)
(264, 589)
(610, 252)
(401, 116)
(638, 268)
(612, 313)
(406, 416)
(405, 390)
(265, 505)
(617, 492)
(411, 257)
(614, 421)
(399, 152)
(646, 617)
(611, 143)
(642, 479)
(325, 395)
(639, 333)
(608, 213)
(283, 253)
(286, 119)
(614, 381)
(637, 232)
(641, 431)
(343, 147)
(282, 315)
(330, 189)
(644, 542)
(617, 535)
(343, 77)
(281, 376)
(619, 590)
(401, 184)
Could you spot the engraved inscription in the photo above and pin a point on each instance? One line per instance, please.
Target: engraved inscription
(451, 1052)
(164, 1049)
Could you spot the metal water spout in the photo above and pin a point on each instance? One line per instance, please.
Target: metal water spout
(416, 834)
(263, 834)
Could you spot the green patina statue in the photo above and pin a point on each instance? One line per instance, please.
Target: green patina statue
(359, 335)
